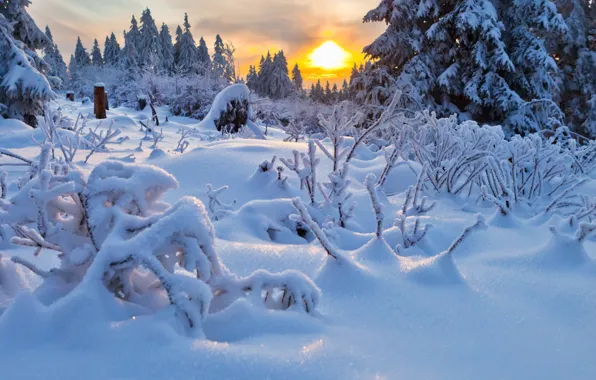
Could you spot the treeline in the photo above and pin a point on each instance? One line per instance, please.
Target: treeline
(146, 47)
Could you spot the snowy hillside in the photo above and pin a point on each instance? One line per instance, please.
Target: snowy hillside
(281, 289)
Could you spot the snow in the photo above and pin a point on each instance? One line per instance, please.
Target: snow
(220, 104)
(516, 301)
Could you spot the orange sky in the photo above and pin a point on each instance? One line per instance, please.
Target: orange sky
(254, 26)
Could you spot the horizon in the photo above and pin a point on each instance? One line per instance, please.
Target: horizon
(267, 29)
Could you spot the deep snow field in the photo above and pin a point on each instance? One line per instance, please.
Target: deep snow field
(518, 303)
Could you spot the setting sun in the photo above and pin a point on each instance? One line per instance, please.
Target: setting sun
(329, 56)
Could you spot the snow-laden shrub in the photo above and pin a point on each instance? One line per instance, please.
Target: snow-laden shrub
(113, 230)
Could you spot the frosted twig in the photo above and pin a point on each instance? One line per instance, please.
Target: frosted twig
(371, 187)
(480, 224)
(304, 217)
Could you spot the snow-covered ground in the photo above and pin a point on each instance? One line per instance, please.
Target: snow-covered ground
(515, 301)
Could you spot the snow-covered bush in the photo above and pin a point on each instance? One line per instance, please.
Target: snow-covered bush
(113, 230)
(307, 172)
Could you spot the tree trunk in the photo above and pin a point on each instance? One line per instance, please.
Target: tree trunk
(99, 97)
(107, 102)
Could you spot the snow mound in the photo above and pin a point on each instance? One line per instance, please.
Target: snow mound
(231, 106)
(263, 221)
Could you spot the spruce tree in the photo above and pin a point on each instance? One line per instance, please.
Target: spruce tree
(188, 50)
(165, 50)
(148, 38)
(219, 62)
(53, 58)
(265, 71)
(24, 89)
(484, 57)
(178, 44)
(280, 84)
(576, 57)
(111, 52)
(129, 55)
(132, 42)
(252, 78)
(96, 58)
(203, 57)
(81, 57)
(297, 79)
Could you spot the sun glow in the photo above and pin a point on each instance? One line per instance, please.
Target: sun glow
(330, 56)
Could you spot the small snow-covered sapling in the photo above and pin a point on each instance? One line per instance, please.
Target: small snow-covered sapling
(218, 208)
(183, 142)
(266, 166)
(370, 183)
(99, 142)
(157, 138)
(341, 121)
(304, 217)
(339, 195)
(307, 173)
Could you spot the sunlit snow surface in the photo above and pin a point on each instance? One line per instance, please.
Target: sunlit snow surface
(514, 302)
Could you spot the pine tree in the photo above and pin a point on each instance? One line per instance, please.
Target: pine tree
(165, 50)
(148, 38)
(178, 44)
(132, 42)
(328, 97)
(219, 62)
(317, 93)
(334, 94)
(576, 57)
(297, 79)
(265, 71)
(111, 52)
(24, 89)
(203, 57)
(81, 57)
(280, 84)
(252, 78)
(53, 58)
(345, 91)
(96, 58)
(484, 57)
(188, 50)
(129, 55)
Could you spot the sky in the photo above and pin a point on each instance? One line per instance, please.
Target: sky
(253, 26)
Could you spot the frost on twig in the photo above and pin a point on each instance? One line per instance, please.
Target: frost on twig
(295, 131)
(3, 187)
(183, 142)
(385, 117)
(341, 122)
(98, 142)
(307, 173)
(585, 230)
(157, 138)
(392, 158)
(339, 195)
(304, 217)
(218, 208)
(372, 188)
(479, 225)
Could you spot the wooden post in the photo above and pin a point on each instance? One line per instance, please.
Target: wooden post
(70, 96)
(99, 98)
